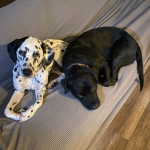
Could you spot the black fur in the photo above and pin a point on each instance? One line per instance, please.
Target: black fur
(13, 46)
(105, 50)
(50, 55)
(46, 49)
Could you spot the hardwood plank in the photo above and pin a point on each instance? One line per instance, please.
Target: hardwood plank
(135, 116)
(138, 147)
(129, 145)
(117, 143)
(121, 144)
(147, 147)
(141, 135)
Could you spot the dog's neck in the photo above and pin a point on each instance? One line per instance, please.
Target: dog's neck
(78, 64)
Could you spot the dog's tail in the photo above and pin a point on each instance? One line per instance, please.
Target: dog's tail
(140, 66)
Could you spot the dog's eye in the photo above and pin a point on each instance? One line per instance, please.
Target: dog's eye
(22, 53)
(36, 54)
(93, 89)
(80, 96)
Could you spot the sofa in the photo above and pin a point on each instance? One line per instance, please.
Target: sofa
(62, 122)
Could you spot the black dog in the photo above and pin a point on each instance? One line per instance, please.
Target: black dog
(96, 57)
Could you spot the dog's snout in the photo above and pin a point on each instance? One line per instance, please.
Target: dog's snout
(94, 105)
(27, 72)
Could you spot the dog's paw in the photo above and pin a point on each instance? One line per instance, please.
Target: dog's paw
(52, 84)
(25, 115)
(11, 114)
(20, 111)
(113, 81)
(16, 116)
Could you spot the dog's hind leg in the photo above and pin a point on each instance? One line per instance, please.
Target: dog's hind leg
(122, 53)
(32, 109)
(15, 99)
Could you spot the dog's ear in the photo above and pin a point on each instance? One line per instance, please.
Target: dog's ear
(91, 72)
(48, 55)
(64, 83)
(13, 46)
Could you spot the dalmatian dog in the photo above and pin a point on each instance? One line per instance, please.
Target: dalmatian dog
(33, 60)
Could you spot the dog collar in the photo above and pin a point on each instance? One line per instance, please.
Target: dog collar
(78, 64)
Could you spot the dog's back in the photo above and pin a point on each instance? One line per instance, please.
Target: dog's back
(95, 43)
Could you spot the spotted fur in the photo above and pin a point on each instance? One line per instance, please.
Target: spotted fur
(38, 57)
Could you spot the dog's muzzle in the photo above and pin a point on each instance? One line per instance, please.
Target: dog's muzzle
(27, 72)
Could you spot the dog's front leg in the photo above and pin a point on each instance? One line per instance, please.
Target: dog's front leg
(32, 109)
(15, 99)
(107, 80)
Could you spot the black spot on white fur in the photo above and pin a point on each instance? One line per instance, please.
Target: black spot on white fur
(27, 49)
(14, 103)
(26, 59)
(20, 58)
(34, 61)
(24, 64)
(15, 69)
(49, 52)
(37, 81)
(36, 47)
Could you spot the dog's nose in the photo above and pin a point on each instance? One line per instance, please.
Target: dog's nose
(94, 105)
(27, 72)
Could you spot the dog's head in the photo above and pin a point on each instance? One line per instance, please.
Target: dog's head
(30, 54)
(83, 85)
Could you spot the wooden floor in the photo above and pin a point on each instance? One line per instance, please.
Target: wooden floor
(130, 129)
